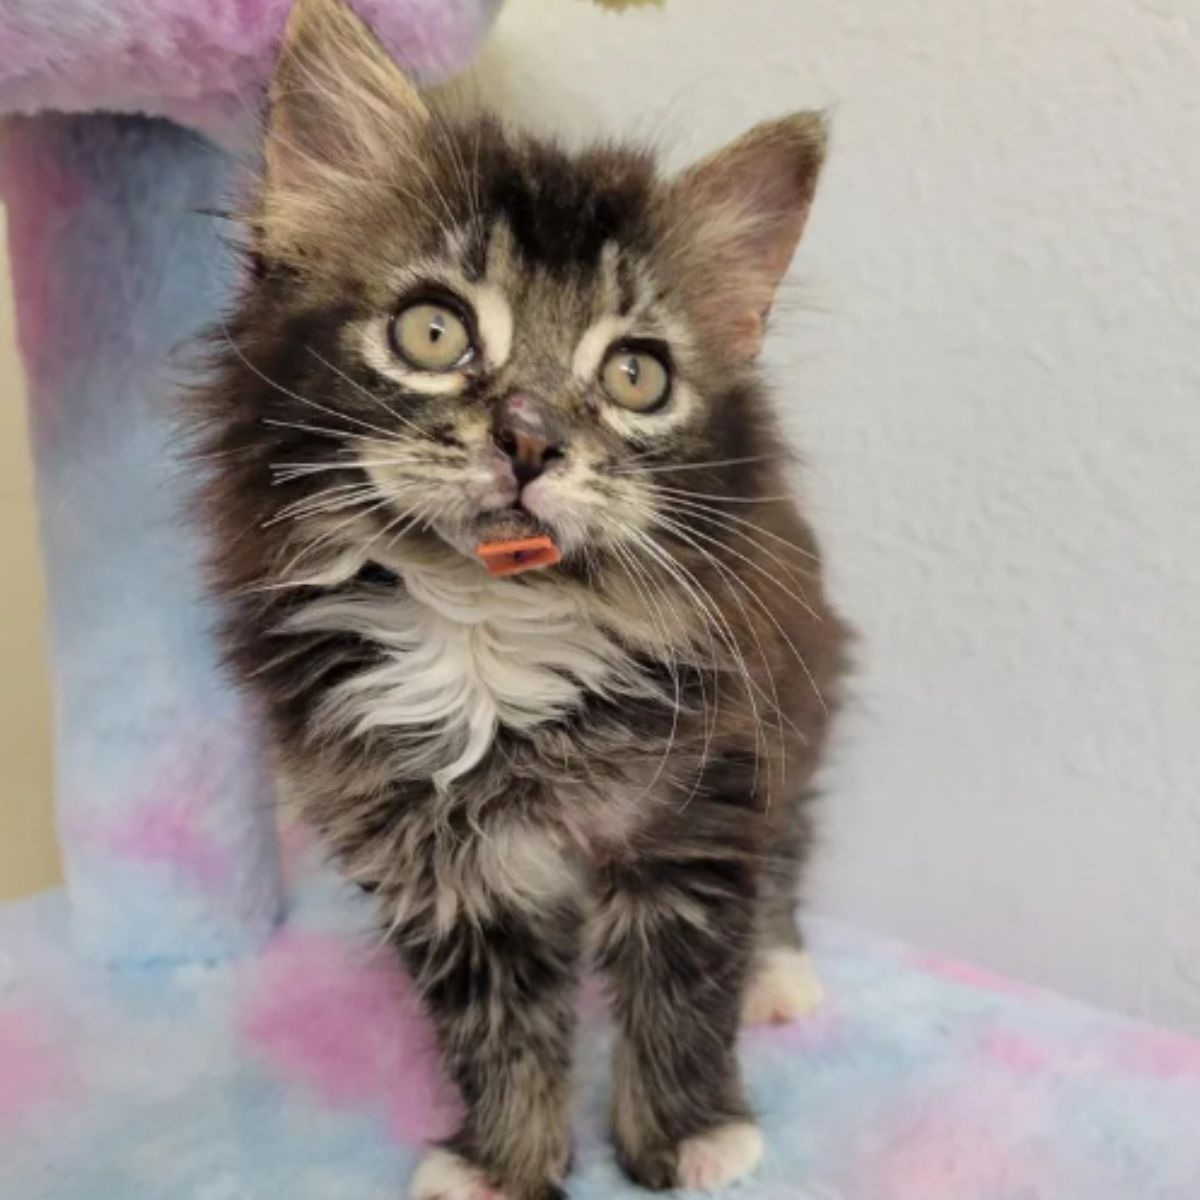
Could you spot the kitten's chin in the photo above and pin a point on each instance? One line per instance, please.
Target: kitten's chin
(508, 525)
(504, 525)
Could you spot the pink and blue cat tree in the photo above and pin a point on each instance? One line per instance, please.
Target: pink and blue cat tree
(203, 1014)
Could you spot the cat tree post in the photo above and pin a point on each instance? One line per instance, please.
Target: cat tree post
(163, 793)
(163, 798)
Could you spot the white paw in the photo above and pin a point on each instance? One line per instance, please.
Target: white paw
(445, 1176)
(784, 987)
(715, 1159)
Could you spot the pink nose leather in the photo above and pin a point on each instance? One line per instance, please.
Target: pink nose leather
(524, 430)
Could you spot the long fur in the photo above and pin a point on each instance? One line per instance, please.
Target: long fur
(612, 757)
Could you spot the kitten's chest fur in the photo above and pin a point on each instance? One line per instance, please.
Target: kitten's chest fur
(460, 656)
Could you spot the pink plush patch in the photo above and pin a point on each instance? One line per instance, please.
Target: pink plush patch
(351, 1030)
(166, 833)
(1157, 1053)
(201, 62)
(165, 825)
(33, 1070)
(1020, 1055)
(952, 1166)
(295, 844)
(971, 976)
(973, 1140)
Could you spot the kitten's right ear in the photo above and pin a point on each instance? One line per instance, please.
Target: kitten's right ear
(340, 114)
(740, 213)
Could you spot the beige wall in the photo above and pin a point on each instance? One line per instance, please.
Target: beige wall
(28, 860)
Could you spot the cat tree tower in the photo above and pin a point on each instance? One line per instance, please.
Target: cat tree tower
(200, 1014)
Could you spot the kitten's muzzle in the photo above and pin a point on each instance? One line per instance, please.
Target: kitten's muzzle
(530, 435)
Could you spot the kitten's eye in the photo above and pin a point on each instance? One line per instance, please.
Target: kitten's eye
(636, 379)
(431, 337)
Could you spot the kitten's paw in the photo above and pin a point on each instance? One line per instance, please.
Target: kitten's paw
(715, 1159)
(443, 1175)
(784, 987)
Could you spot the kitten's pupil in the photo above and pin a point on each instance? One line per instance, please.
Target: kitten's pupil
(632, 370)
(436, 328)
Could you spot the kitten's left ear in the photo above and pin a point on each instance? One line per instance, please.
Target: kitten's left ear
(744, 209)
(340, 115)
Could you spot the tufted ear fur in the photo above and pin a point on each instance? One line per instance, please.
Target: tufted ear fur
(740, 213)
(341, 118)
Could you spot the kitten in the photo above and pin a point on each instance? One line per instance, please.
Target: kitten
(453, 335)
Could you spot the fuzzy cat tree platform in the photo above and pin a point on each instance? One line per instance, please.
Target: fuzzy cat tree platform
(200, 1017)
(305, 1072)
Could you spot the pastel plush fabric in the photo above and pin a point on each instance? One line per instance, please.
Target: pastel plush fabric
(305, 1070)
(200, 62)
(307, 1073)
(164, 807)
(164, 801)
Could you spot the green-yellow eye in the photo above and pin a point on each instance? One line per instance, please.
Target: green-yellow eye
(635, 379)
(431, 337)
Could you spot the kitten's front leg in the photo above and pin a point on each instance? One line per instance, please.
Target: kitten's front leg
(498, 979)
(675, 932)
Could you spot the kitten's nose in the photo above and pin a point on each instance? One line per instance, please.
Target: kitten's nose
(528, 433)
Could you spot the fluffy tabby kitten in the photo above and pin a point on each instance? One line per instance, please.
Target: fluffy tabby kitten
(454, 334)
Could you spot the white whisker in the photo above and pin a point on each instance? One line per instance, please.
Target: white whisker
(700, 595)
(370, 395)
(285, 391)
(672, 491)
(698, 466)
(710, 513)
(686, 535)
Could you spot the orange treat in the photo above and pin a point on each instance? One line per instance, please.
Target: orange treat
(517, 555)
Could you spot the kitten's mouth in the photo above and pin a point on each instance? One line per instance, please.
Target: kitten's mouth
(515, 541)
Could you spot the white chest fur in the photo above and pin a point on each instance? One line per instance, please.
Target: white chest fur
(464, 654)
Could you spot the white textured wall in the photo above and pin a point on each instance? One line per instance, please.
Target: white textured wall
(996, 375)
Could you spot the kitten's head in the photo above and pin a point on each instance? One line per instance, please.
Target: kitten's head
(457, 334)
